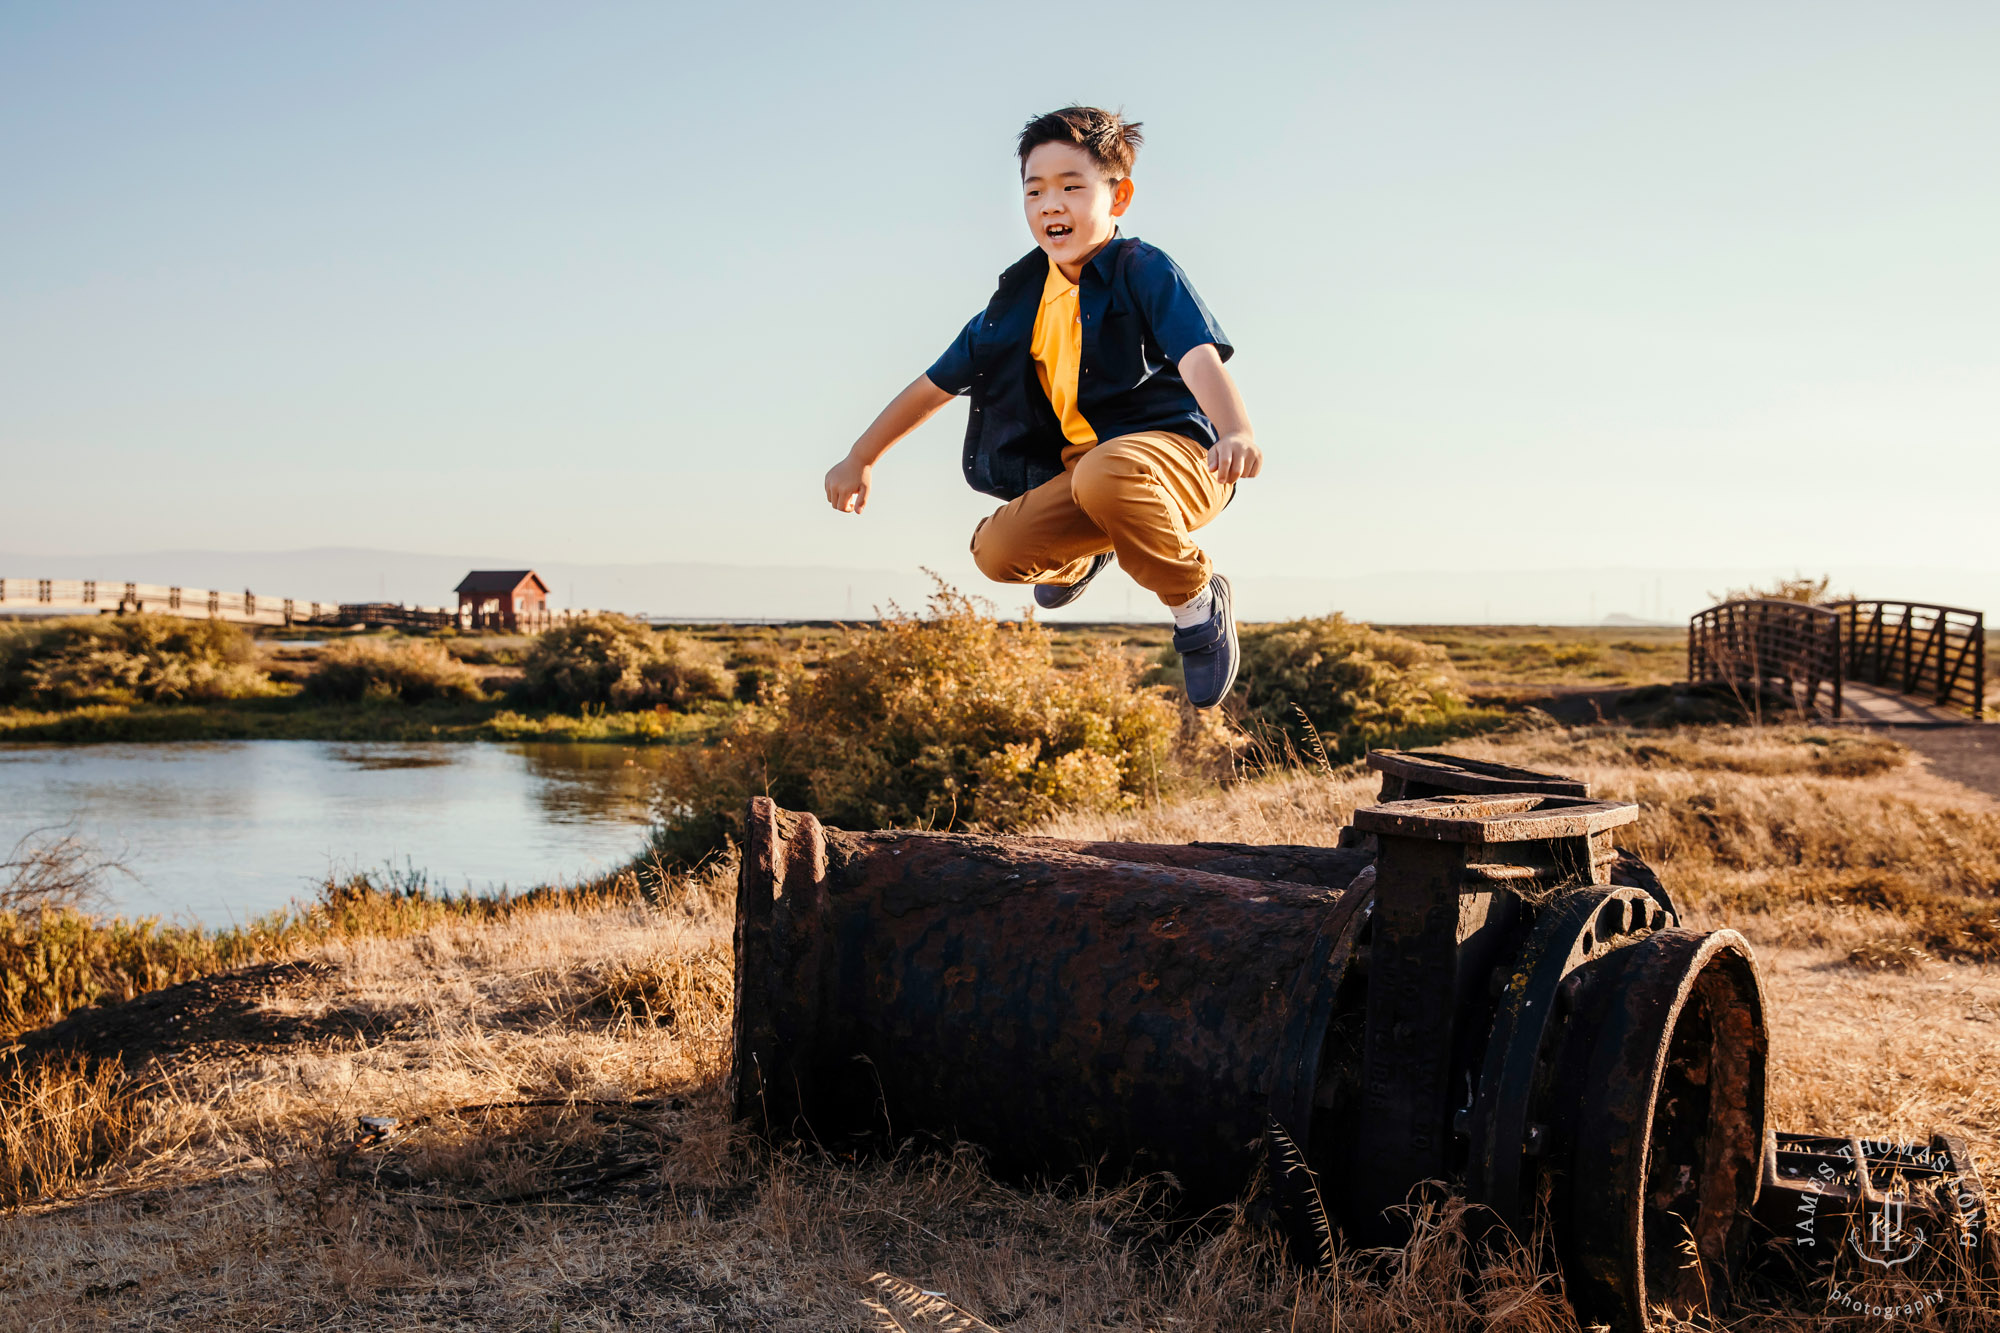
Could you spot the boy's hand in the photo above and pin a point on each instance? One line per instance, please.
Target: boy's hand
(847, 485)
(1234, 456)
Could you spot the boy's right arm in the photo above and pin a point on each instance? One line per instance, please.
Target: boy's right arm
(848, 482)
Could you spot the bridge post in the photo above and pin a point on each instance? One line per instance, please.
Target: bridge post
(1979, 668)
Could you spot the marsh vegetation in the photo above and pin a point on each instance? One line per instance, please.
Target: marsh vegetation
(1867, 888)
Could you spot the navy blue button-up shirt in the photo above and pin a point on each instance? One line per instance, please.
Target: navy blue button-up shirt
(1140, 317)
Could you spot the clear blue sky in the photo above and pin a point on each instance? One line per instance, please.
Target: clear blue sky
(1512, 285)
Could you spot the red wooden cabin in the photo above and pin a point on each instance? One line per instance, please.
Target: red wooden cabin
(509, 599)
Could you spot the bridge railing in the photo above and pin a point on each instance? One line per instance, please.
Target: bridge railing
(200, 603)
(1934, 652)
(376, 615)
(1750, 645)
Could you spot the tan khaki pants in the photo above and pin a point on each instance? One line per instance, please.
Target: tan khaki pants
(1138, 495)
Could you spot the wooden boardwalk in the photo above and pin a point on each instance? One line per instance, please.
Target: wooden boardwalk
(1879, 706)
(101, 596)
(98, 595)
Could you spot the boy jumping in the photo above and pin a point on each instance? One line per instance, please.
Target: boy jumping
(1101, 411)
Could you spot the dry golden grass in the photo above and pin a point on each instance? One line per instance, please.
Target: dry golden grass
(232, 1197)
(56, 957)
(60, 1120)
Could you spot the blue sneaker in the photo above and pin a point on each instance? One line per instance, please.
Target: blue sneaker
(1209, 655)
(1049, 596)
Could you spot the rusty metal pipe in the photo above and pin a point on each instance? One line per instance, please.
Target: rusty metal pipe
(1057, 1009)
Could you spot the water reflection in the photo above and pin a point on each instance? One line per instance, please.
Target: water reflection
(585, 782)
(222, 830)
(375, 758)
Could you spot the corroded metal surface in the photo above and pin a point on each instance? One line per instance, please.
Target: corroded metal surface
(1475, 989)
(1858, 1211)
(1487, 821)
(1413, 774)
(1057, 1009)
(1667, 1056)
(1509, 1123)
(1327, 867)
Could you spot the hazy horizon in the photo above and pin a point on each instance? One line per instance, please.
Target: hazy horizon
(744, 591)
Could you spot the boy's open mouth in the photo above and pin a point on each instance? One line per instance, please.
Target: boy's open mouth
(1057, 229)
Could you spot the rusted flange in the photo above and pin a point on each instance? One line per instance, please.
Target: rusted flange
(1503, 818)
(1510, 1118)
(1530, 841)
(1414, 774)
(1292, 1138)
(1664, 1088)
(783, 965)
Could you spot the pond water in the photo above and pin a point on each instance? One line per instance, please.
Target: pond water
(218, 832)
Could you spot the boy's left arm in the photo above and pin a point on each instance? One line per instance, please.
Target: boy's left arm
(1235, 454)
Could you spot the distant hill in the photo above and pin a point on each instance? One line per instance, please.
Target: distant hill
(342, 574)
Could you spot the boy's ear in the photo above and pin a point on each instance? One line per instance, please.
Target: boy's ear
(1121, 197)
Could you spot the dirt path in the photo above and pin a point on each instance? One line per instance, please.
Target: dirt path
(1968, 754)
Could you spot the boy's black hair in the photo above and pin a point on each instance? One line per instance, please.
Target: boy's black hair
(1110, 139)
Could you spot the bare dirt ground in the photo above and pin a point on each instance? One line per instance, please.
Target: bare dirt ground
(1968, 755)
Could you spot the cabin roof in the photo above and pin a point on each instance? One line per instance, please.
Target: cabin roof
(500, 581)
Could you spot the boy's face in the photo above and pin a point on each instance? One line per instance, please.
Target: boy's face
(1072, 209)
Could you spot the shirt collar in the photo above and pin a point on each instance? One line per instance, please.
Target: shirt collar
(1057, 286)
(1107, 254)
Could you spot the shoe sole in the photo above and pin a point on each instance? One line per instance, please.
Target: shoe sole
(1075, 590)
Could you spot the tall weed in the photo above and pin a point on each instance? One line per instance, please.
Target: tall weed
(947, 719)
(52, 867)
(60, 1119)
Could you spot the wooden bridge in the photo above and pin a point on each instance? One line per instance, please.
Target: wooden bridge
(1895, 663)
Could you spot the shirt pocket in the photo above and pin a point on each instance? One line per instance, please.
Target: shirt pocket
(1126, 354)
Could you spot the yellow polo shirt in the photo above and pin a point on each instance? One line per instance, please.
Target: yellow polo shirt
(1058, 351)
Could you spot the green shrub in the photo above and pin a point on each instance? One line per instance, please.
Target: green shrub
(1359, 686)
(759, 666)
(609, 661)
(949, 719)
(127, 660)
(1798, 588)
(1542, 655)
(410, 670)
(486, 649)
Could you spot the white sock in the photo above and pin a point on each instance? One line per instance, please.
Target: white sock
(1195, 610)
